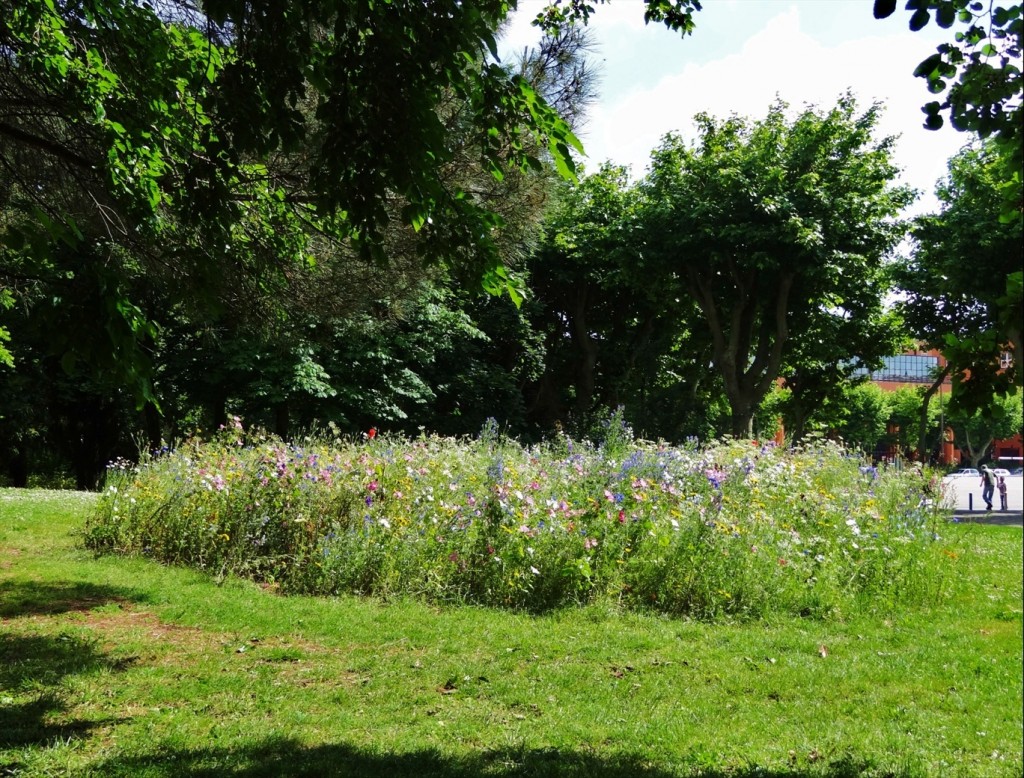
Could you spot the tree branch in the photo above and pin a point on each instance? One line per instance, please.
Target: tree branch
(52, 147)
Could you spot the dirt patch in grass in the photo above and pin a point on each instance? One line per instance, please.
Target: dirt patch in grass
(128, 618)
(9, 552)
(126, 625)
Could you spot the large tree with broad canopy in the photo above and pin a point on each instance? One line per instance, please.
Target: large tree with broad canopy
(777, 229)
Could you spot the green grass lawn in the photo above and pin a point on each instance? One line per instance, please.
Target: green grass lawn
(121, 667)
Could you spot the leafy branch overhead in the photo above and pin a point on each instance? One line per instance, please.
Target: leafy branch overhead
(202, 153)
(978, 73)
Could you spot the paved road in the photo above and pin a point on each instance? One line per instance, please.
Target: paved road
(964, 495)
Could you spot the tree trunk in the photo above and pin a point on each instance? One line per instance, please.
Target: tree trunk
(743, 422)
(219, 412)
(151, 420)
(587, 361)
(281, 420)
(976, 455)
(748, 370)
(17, 468)
(922, 426)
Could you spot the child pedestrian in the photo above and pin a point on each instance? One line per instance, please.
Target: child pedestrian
(1002, 493)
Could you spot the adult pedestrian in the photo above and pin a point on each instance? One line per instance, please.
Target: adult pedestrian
(988, 485)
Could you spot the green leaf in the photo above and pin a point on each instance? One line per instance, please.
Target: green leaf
(945, 15)
(1000, 16)
(920, 18)
(928, 66)
(67, 362)
(495, 169)
(416, 215)
(884, 8)
(564, 163)
(492, 45)
(6, 357)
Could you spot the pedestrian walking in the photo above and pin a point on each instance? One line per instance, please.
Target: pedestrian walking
(1002, 493)
(988, 485)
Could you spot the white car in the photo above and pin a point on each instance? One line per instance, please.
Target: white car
(1001, 472)
(965, 472)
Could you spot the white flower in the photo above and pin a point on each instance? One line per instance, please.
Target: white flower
(534, 570)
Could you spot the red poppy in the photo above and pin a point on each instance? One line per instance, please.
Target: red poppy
(372, 433)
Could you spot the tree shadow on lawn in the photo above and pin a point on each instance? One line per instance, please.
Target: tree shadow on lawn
(32, 667)
(285, 758)
(32, 598)
(31, 662)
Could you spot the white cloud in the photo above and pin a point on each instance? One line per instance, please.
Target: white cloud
(780, 60)
(744, 54)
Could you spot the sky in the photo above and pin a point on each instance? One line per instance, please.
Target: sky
(743, 55)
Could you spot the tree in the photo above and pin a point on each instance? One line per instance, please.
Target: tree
(201, 152)
(820, 384)
(857, 412)
(593, 314)
(906, 409)
(865, 411)
(958, 288)
(975, 432)
(979, 72)
(614, 336)
(203, 146)
(776, 229)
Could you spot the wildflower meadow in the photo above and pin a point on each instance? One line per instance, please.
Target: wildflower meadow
(732, 528)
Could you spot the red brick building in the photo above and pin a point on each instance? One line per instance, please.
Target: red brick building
(917, 368)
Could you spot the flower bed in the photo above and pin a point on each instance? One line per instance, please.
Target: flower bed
(730, 528)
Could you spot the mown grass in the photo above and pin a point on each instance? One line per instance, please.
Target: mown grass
(116, 666)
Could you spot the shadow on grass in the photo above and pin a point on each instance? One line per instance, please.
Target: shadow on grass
(283, 758)
(32, 667)
(29, 598)
(27, 663)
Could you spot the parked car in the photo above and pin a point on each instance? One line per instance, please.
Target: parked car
(1017, 471)
(1001, 472)
(965, 472)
